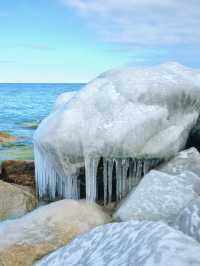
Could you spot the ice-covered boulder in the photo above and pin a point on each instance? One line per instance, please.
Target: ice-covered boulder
(44, 230)
(187, 160)
(129, 117)
(188, 220)
(159, 196)
(63, 99)
(130, 243)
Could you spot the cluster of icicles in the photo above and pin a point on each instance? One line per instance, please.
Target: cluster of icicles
(120, 175)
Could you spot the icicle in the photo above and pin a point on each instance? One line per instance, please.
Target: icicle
(131, 176)
(125, 165)
(91, 178)
(139, 171)
(52, 185)
(147, 166)
(78, 189)
(49, 184)
(105, 180)
(118, 179)
(110, 163)
(87, 177)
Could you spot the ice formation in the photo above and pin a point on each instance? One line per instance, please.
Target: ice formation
(187, 160)
(131, 118)
(63, 99)
(188, 220)
(130, 243)
(159, 197)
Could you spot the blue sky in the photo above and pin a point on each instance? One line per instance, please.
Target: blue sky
(75, 40)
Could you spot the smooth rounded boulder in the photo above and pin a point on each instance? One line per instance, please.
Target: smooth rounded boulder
(15, 201)
(159, 196)
(24, 240)
(129, 244)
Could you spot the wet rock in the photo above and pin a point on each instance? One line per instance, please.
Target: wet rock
(18, 172)
(30, 124)
(6, 138)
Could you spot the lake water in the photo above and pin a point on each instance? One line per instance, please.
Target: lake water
(22, 106)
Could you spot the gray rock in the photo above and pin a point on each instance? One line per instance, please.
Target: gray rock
(129, 244)
(187, 160)
(188, 221)
(159, 196)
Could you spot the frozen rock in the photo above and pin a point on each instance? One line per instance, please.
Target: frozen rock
(123, 114)
(188, 220)
(15, 201)
(63, 99)
(159, 196)
(187, 160)
(130, 243)
(45, 229)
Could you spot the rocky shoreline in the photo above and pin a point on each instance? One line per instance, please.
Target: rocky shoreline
(36, 232)
(137, 164)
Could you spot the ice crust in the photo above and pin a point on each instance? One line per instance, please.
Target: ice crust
(188, 220)
(187, 160)
(130, 243)
(159, 197)
(123, 114)
(63, 99)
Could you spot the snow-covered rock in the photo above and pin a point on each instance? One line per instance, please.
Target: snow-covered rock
(127, 113)
(187, 160)
(188, 220)
(159, 196)
(130, 243)
(45, 229)
(15, 201)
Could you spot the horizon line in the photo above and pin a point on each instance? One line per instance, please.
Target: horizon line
(43, 82)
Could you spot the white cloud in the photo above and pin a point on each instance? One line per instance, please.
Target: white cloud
(142, 22)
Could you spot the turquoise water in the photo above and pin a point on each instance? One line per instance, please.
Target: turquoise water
(22, 106)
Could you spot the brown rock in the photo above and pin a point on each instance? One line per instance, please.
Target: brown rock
(18, 172)
(6, 138)
(24, 240)
(15, 200)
